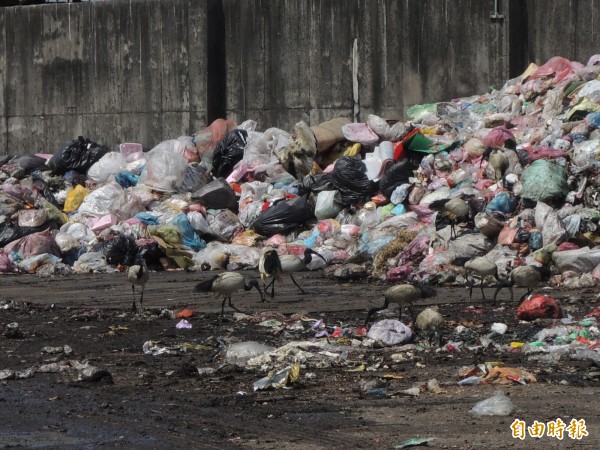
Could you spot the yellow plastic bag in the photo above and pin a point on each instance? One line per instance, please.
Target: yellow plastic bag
(75, 198)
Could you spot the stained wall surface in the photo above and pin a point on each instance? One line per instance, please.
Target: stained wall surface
(149, 70)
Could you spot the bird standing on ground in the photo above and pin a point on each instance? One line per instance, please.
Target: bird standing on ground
(528, 277)
(451, 212)
(138, 275)
(288, 264)
(429, 322)
(481, 267)
(405, 295)
(225, 284)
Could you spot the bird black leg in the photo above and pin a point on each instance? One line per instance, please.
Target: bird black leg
(297, 285)
(481, 287)
(133, 307)
(223, 306)
(142, 301)
(470, 283)
(233, 307)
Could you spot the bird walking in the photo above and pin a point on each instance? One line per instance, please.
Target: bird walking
(138, 275)
(273, 265)
(225, 284)
(429, 322)
(405, 295)
(451, 212)
(528, 277)
(481, 267)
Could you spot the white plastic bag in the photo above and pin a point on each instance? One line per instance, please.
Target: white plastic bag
(110, 164)
(390, 332)
(98, 203)
(32, 217)
(325, 206)
(166, 167)
(497, 405)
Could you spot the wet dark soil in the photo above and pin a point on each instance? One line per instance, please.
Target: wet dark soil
(138, 400)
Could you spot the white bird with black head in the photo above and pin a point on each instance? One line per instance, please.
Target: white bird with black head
(225, 284)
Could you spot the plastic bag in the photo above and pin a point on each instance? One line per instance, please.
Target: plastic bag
(196, 176)
(34, 244)
(228, 153)
(165, 168)
(349, 177)
(539, 307)
(92, 262)
(497, 405)
(582, 260)
(75, 198)
(217, 195)
(382, 128)
(500, 137)
(226, 225)
(359, 132)
(126, 179)
(6, 264)
(100, 201)
(189, 238)
(284, 216)
(326, 207)
(118, 249)
(390, 332)
(79, 231)
(78, 155)
(553, 189)
(503, 202)
(32, 217)
(396, 175)
(110, 164)
(240, 352)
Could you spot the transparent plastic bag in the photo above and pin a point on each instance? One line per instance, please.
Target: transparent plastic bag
(497, 405)
(110, 164)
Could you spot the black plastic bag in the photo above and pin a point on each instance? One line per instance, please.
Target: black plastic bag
(318, 182)
(78, 155)
(229, 152)
(118, 249)
(350, 179)
(10, 231)
(396, 175)
(284, 216)
(217, 195)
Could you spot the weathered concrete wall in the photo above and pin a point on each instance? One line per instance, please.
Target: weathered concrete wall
(560, 28)
(149, 70)
(292, 59)
(119, 71)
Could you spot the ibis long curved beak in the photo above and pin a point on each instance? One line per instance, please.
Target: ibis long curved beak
(317, 254)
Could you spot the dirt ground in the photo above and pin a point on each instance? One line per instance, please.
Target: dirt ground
(145, 401)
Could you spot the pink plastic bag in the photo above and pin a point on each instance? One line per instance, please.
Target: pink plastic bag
(558, 66)
(497, 137)
(34, 244)
(359, 132)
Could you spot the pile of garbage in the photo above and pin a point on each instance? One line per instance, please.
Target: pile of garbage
(376, 197)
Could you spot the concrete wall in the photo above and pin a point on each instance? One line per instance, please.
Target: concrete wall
(119, 71)
(149, 70)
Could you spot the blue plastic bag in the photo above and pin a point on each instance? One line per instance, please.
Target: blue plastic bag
(503, 202)
(189, 238)
(126, 179)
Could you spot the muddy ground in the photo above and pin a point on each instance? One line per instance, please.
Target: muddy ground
(144, 401)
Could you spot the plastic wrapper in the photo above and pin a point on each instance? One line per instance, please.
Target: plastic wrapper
(284, 216)
(110, 164)
(78, 155)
